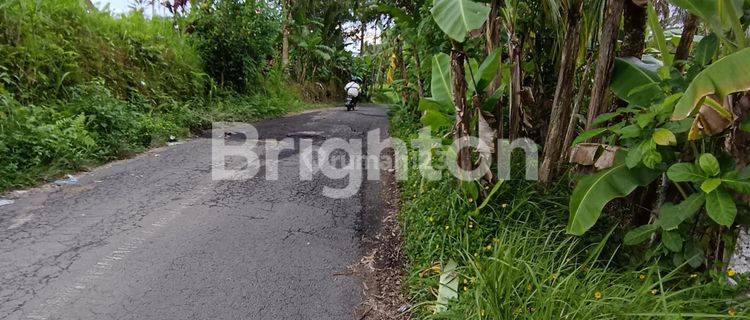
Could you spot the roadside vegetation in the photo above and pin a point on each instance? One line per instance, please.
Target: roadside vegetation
(80, 86)
(641, 109)
(510, 258)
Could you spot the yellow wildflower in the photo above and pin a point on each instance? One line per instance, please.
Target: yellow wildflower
(466, 288)
(488, 248)
(471, 225)
(654, 292)
(732, 312)
(505, 205)
(447, 227)
(598, 296)
(731, 273)
(642, 277)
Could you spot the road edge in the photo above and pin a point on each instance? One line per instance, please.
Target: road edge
(383, 265)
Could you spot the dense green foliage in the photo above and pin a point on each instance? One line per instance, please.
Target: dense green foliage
(660, 173)
(236, 40)
(48, 47)
(515, 262)
(675, 127)
(79, 86)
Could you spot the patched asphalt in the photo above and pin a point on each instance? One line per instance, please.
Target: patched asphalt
(154, 237)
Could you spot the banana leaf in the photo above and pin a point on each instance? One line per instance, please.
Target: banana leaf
(726, 76)
(458, 17)
(594, 192)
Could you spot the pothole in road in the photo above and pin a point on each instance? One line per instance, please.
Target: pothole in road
(307, 135)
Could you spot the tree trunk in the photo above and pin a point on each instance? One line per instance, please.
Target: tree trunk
(463, 114)
(493, 42)
(515, 117)
(563, 102)
(739, 141)
(285, 47)
(418, 66)
(362, 32)
(285, 37)
(606, 60)
(690, 27)
(635, 30)
(402, 68)
(583, 91)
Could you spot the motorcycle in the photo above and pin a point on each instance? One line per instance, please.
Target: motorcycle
(351, 103)
(352, 94)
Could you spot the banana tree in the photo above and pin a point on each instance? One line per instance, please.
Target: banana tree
(608, 41)
(310, 51)
(456, 18)
(510, 16)
(676, 136)
(562, 106)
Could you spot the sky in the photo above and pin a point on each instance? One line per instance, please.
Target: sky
(122, 6)
(117, 6)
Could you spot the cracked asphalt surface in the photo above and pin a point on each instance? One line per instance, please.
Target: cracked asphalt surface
(154, 237)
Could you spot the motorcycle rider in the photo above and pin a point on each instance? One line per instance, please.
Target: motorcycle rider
(352, 91)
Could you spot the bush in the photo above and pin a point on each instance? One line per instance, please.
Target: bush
(78, 88)
(236, 39)
(49, 47)
(515, 262)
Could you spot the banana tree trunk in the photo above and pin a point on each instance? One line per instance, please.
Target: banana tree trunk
(583, 91)
(563, 102)
(402, 68)
(286, 7)
(739, 141)
(606, 61)
(494, 42)
(285, 47)
(635, 18)
(690, 27)
(515, 117)
(463, 113)
(418, 65)
(362, 30)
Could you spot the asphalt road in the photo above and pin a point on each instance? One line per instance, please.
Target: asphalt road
(154, 237)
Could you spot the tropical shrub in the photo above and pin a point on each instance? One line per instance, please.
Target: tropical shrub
(82, 86)
(236, 40)
(674, 129)
(48, 47)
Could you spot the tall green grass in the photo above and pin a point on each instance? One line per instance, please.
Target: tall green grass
(49, 47)
(515, 262)
(79, 87)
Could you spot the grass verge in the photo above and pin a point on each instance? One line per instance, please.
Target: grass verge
(515, 262)
(41, 142)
